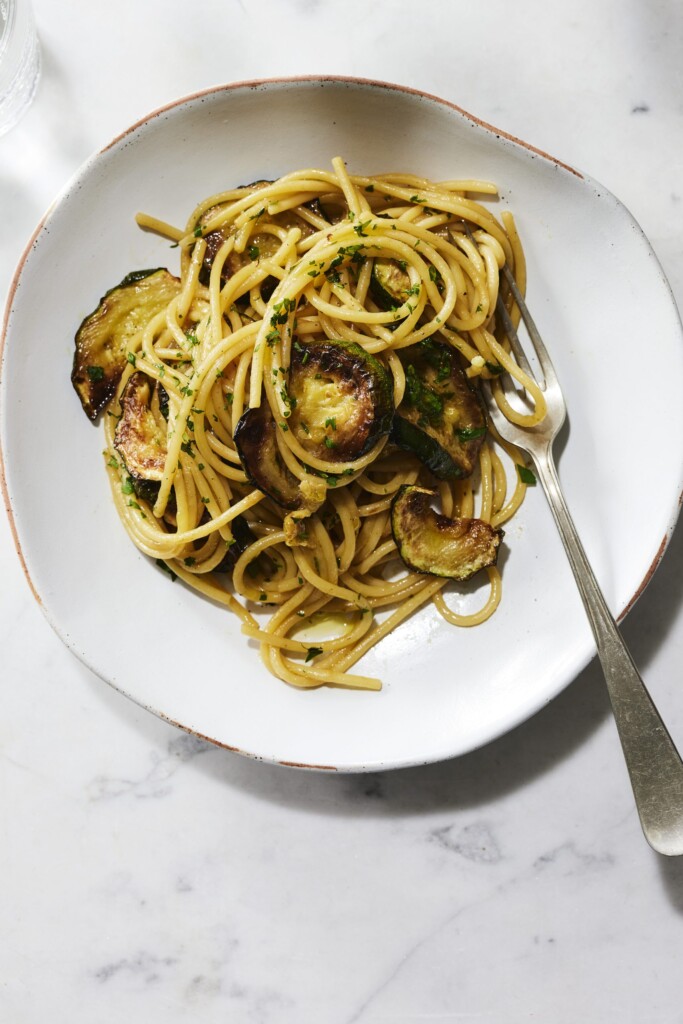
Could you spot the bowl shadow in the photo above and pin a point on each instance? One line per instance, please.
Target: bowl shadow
(489, 773)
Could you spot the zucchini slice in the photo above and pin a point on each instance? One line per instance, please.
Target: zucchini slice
(389, 284)
(441, 418)
(103, 338)
(256, 442)
(261, 244)
(242, 537)
(341, 399)
(433, 544)
(139, 439)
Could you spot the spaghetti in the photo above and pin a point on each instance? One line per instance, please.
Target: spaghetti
(269, 272)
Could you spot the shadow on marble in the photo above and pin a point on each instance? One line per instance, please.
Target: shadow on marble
(499, 768)
(671, 869)
(502, 766)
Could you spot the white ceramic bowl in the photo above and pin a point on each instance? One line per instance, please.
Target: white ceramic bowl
(608, 317)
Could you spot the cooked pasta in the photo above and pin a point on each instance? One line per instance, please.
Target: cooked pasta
(231, 441)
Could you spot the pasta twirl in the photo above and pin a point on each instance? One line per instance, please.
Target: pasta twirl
(316, 359)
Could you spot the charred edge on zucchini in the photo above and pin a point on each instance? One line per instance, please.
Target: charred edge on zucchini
(389, 284)
(103, 338)
(261, 244)
(256, 442)
(340, 399)
(139, 439)
(441, 418)
(242, 537)
(431, 543)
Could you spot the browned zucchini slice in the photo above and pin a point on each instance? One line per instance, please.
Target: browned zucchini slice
(139, 439)
(389, 283)
(441, 418)
(103, 338)
(242, 537)
(341, 399)
(431, 543)
(261, 244)
(256, 443)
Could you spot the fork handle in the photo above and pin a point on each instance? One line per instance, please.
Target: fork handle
(653, 762)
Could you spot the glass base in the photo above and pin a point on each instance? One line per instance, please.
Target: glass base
(19, 91)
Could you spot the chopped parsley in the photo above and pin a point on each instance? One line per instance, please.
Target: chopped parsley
(303, 351)
(526, 475)
(494, 368)
(95, 372)
(422, 397)
(469, 433)
(281, 311)
(355, 252)
(287, 400)
(313, 652)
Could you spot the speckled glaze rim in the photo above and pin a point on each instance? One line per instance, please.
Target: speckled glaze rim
(256, 84)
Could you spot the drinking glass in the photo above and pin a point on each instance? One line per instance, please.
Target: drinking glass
(19, 61)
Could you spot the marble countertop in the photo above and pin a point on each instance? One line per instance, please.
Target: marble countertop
(145, 875)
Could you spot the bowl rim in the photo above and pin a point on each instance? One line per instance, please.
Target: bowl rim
(216, 90)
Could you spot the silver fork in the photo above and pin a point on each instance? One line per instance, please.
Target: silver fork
(653, 762)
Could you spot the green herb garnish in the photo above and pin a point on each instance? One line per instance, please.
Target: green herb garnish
(469, 433)
(422, 397)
